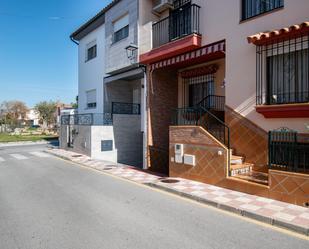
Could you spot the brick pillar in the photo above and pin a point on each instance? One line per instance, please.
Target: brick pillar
(162, 100)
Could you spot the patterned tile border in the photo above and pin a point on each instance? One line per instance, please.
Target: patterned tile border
(270, 211)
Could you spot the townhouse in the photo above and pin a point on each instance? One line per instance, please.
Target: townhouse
(222, 89)
(111, 120)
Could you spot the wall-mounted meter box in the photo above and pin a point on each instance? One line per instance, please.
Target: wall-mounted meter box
(189, 160)
(179, 153)
(179, 149)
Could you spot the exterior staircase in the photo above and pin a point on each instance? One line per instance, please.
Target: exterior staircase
(244, 170)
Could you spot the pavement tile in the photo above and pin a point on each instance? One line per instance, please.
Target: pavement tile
(284, 216)
(243, 199)
(235, 204)
(265, 200)
(266, 212)
(221, 199)
(301, 222)
(274, 207)
(305, 215)
(250, 207)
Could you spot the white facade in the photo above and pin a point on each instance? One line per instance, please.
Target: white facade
(33, 116)
(91, 72)
(241, 56)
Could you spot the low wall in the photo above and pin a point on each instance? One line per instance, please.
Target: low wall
(289, 187)
(211, 155)
(87, 141)
(98, 134)
(81, 136)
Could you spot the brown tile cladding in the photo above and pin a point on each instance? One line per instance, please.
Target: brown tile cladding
(247, 139)
(210, 167)
(289, 187)
(162, 99)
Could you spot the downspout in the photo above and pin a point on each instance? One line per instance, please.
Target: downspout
(72, 39)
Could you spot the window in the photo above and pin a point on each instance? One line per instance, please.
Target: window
(283, 72)
(91, 52)
(251, 8)
(91, 97)
(121, 28)
(198, 88)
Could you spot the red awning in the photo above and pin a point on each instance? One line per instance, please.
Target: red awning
(279, 34)
(203, 54)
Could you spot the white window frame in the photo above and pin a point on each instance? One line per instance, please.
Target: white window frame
(91, 104)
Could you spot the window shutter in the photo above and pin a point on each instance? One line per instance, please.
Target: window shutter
(121, 23)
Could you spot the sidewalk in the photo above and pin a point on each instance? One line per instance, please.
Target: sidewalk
(280, 214)
(21, 143)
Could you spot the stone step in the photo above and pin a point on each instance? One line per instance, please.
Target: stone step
(243, 168)
(254, 176)
(237, 159)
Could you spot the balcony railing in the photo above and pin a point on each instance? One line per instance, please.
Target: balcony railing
(88, 119)
(126, 108)
(286, 152)
(182, 21)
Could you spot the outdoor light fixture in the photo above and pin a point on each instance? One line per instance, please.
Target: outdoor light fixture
(131, 51)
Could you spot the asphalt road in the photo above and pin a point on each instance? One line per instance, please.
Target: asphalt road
(48, 203)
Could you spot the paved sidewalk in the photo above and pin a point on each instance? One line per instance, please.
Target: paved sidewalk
(26, 143)
(281, 214)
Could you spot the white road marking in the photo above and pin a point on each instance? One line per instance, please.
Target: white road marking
(18, 156)
(39, 154)
(1, 159)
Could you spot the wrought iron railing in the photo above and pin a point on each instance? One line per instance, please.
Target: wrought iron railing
(88, 119)
(181, 22)
(213, 102)
(252, 8)
(200, 116)
(286, 152)
(126, 108)
(282, 71)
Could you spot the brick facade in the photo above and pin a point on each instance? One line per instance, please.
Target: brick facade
(162, 99)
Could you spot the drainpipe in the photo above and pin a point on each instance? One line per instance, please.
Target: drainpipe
(72, 39)
(145, 140)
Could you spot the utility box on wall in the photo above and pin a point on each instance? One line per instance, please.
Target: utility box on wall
(189, 160)
(179, 153)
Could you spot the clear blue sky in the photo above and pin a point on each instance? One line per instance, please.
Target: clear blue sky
(37, 59)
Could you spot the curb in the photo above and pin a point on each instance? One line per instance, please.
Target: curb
(244, 213)
(221, 206)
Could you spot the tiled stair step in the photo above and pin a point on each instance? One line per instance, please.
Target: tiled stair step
(254, 176)
(237, 169)
(237, 159)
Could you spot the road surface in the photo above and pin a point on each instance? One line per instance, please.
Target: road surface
(48, 203)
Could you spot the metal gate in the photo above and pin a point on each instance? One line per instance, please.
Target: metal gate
(286, 152)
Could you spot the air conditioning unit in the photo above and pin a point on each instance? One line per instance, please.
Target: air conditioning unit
(161, 5)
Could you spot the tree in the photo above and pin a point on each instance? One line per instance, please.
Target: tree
(47, 112)
(13, 112)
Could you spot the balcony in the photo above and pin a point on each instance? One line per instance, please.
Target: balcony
(182, 22)
(176, 34)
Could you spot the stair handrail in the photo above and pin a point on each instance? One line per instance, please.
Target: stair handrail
(209, 97)
(220, 122)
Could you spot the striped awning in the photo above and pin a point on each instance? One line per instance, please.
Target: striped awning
(208, 52)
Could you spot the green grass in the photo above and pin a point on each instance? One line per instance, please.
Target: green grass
(5, 138)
